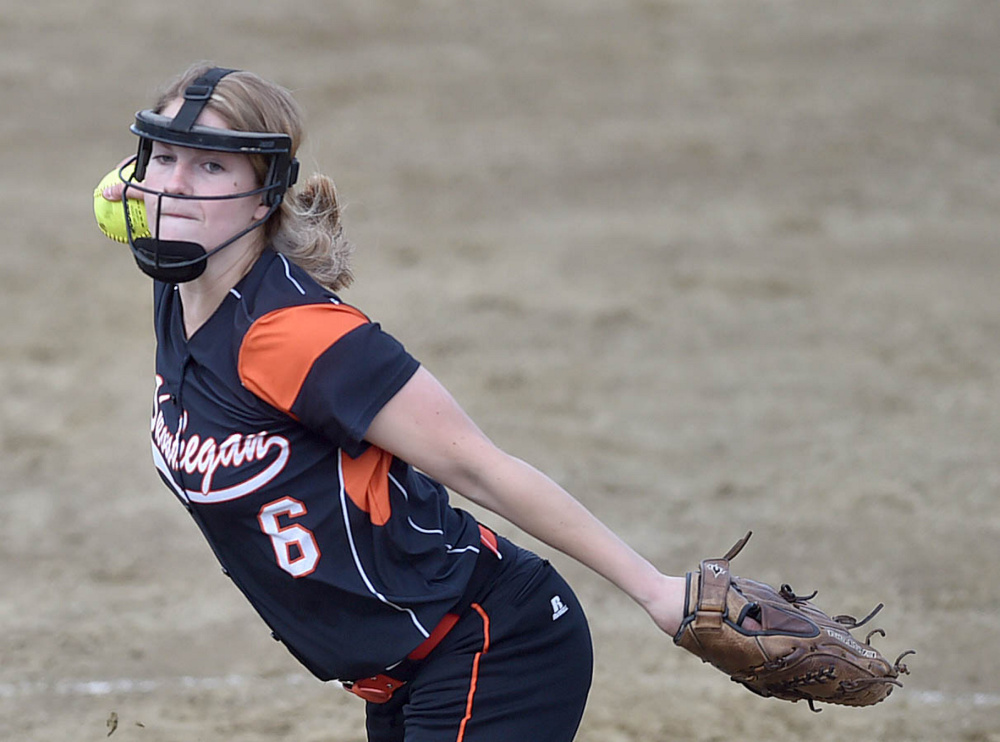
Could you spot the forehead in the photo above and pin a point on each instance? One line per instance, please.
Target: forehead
(207, 117)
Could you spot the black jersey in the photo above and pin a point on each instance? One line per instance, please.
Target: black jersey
(349, 554)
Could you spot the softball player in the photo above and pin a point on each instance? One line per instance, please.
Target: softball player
(313, 451)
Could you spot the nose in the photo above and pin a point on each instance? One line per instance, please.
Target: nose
(178, 180)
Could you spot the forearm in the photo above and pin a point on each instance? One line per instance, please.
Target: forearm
(535, 503)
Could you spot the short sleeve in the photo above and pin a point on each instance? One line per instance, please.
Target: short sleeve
(327, 365)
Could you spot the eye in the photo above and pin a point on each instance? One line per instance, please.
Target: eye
(214, 167)
(161, 153)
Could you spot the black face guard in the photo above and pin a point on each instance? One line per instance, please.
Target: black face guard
(176, 261)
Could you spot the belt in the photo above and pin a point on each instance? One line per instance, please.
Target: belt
(379, 688)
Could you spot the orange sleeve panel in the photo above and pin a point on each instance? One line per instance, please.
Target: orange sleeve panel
(366, 481)
(281, 347)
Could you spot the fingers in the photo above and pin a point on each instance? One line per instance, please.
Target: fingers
(114, 191)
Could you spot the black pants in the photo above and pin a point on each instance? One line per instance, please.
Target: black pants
(515, 668)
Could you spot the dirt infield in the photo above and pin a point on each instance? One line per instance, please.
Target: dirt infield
(713, 265)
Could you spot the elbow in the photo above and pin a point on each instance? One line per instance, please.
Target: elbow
(479, 478)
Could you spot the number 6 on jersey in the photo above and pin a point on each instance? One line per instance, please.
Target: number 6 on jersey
(294, 546)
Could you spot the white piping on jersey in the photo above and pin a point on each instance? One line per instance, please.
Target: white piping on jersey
(429, 531)
(357, 558)
(236, 293)
(414, 526)
(288, 275)
(450, 548)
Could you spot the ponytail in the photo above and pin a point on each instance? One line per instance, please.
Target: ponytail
(308, 231)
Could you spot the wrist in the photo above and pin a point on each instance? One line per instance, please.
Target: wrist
(665, 602)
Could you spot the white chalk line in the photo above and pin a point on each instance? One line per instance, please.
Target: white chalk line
(940, 698)
(126, 686)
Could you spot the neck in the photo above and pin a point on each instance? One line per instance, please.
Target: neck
(202, 296)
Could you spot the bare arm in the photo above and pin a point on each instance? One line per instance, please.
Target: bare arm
(426, 427)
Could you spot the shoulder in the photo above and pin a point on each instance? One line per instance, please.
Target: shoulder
(276, 282)
(283, 306)
(300, 329)
(279, 349)
(278, 298)
(288, 322)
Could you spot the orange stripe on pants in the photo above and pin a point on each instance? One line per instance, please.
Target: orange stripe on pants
(475, 669)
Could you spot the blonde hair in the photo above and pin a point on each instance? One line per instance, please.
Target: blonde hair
(307, 228)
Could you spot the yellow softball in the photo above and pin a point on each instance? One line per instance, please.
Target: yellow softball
(111, 214)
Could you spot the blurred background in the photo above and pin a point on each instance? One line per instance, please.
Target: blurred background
(714, 266)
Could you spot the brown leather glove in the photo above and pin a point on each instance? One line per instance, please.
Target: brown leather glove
(798, 653)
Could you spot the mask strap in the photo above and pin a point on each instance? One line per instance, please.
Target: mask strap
(196, 96)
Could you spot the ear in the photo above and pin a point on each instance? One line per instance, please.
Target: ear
(261, 211)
